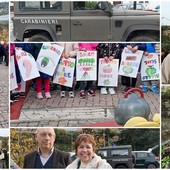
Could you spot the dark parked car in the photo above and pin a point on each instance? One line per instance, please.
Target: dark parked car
(118, 156)
(73, 155)
(146, 159)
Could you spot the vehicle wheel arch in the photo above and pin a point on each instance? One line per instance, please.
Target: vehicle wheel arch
(141, 29)
(150, 165)
(120, 166)
(35, 29)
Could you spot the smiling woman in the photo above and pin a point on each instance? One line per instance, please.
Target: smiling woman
(85, 147)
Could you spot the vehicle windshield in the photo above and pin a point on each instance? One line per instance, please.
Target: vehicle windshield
(119, 152)
(129, 6)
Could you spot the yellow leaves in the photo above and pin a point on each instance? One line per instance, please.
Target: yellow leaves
(4, 33)
(21, 144)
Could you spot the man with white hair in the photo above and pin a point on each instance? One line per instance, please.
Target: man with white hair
(46, 156)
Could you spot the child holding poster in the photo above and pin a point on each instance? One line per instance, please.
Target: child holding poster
(108, 51)
(44, 78)
(89, 84)
(24, 47)
(70, 50)
(126, 81)
(151, 84)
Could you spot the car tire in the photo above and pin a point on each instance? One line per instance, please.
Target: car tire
(151, 166)
(121, 167)
(40, 38)
(143, 38)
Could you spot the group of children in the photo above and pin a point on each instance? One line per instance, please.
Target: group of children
(107, 51)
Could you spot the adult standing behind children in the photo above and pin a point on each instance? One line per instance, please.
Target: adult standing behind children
(89, 84)
(46, 156)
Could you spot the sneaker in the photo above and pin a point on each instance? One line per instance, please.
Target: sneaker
(91, 92)
(111, 90)
(154, 89)
(20, 95)
(103, 90)
(82, 94)
(63, 94)
(48, 95)
(144, 89)
(39, 95)
(13, 99)
(71, 94)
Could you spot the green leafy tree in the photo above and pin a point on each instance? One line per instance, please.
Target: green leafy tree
(140, 139)
(165, 162)
(90, 4)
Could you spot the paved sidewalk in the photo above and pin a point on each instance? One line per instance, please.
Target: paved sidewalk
(73, 112)
(4, 101)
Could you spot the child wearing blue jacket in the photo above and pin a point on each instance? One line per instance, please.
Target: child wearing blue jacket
(151, 84)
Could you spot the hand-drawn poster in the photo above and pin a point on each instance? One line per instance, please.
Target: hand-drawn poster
(130, 63)
(150, 67)
(64, 73)
(13, 79)
(108, 73)
(21, 87)
(26, 64)
(48, 58)
(86, 69)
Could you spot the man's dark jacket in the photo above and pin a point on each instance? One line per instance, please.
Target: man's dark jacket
(61, 159)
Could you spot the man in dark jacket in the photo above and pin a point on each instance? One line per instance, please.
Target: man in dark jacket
(46, 156)
(2, 53)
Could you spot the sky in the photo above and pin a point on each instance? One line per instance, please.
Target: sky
(4, 132)
(165, 14)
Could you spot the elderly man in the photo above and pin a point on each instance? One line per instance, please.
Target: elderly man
(46, 156)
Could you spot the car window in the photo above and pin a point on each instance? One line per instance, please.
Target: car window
(138, 7)
(40, 5)
(119, 152)
(141, 155)
(151, 154)
(102, 153)
(87, 5)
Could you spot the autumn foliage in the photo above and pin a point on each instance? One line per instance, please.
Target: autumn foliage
(21, 143)
(4, 32)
